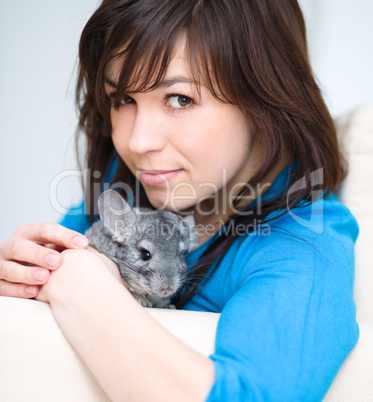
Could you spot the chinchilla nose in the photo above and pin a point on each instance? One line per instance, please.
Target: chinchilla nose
(167, 290)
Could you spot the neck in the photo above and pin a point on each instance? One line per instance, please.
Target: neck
(212, 213)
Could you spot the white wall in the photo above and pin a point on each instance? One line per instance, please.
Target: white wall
(341, 47)
(38, 47)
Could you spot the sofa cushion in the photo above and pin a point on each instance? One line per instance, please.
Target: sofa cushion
(355, 131)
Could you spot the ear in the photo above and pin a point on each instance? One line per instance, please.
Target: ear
(115, 213)
(191, 231)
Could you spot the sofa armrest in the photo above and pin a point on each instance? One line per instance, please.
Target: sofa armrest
(354, 381)
(38, 364)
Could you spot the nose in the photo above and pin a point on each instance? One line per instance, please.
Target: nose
(148, 132)
(167, 290)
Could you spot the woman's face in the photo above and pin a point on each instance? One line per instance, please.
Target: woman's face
(182, 147)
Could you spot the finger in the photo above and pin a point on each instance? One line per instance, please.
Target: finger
(19, 249)
(11, 271)
(10, 289)
(41, 295)
(52, 233)
(55, 247)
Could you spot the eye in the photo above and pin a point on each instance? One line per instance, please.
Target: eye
(145, 254)
(126, 100)
(180, 101)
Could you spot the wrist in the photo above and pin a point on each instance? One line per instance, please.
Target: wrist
(83, 273)
(109, 264)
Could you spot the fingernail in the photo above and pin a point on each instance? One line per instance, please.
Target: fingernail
(40, 275)
(31, 290)
(51, 260)
(80, 241)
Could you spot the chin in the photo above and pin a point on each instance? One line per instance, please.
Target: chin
(177, 206)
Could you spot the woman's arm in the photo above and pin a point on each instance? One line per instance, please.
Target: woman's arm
(131, 355)
(291, 320)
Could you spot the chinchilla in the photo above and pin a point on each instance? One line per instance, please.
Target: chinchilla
(149, 247)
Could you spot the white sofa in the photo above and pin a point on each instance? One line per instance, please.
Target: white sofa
(38, 364)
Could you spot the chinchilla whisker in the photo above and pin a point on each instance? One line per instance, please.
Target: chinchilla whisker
(198, 287)
(126, 263)
(194, 269)
(177, 293)
(196, 266)
(183, 277)
(201, 276)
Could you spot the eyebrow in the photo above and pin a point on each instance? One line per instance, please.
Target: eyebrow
(164, 84)
(111, 83)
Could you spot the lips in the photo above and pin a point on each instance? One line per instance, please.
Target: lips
(158, 177)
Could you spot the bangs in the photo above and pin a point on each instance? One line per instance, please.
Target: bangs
(141, 44)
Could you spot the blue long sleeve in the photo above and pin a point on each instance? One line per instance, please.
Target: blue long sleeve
(76, 219)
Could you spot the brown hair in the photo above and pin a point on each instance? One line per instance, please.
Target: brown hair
(253, 55)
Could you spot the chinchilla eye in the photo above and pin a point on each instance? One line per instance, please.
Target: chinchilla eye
(145, 255)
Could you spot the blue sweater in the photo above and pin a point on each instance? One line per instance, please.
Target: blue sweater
(285, 294)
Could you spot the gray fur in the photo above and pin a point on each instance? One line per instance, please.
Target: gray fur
(123, 233)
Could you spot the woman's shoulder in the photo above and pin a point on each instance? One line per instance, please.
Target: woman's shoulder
(325, 221)
(320, 235)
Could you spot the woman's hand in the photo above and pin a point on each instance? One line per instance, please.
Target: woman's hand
(77, 269)
(27, 258)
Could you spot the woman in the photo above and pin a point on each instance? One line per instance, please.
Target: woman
(212, 107)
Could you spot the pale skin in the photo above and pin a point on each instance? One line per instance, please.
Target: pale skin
(153, 131)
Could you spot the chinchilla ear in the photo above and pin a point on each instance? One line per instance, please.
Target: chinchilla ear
(190, 226)
(116, 214)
